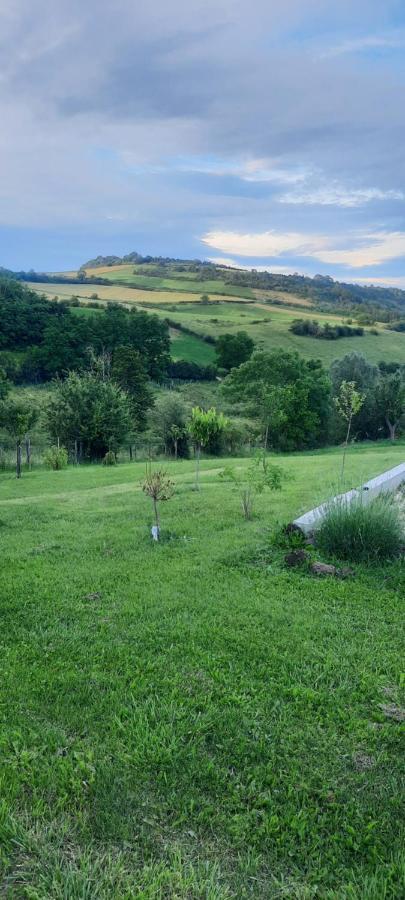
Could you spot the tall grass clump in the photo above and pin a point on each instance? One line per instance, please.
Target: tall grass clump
(362, 532)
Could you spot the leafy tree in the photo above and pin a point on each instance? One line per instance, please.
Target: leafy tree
(4, 386)
(91, 414)
(202, 427)
(129, 372)
(18, 417)
(348, 404)
(288, 394)
(353, 367)
(390, 397)
(159, 488)
(233, 349)
(167, 419)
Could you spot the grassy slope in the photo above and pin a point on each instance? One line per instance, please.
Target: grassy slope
(180, 281)
(117, 293)
(271, 331)
(191, 729)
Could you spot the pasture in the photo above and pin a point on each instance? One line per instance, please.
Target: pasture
(190, 719)
(269, 327)
(267, 324)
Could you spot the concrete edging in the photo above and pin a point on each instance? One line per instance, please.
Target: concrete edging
(387, 482)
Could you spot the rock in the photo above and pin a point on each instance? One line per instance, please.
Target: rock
(296, 558)
(292, 528)
(345, 572)
(320, 568)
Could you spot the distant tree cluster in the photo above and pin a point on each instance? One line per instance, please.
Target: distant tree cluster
(327, 332)
(56, 341)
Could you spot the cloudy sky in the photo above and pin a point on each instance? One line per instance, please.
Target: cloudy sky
(269, 133)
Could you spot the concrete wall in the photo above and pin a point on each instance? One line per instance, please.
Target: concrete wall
(386, 483)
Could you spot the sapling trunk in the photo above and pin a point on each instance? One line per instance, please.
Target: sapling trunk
(18, 458)
(345, 448)
(392, 427)
(156, 510)
(197, 467)
(28, 451)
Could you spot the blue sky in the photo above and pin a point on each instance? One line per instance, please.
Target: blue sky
(268, 133)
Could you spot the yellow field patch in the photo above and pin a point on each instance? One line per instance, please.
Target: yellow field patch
(122, 294)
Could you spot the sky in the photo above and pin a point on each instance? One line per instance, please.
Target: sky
(263, 134)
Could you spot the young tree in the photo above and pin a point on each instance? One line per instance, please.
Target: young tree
(390, 398)
(203, 427)
(159, 488)
(18, 417)
(233, 349)
(91, 414)
(167, 418)
(254, 480)
(176, 433)
(355, 367)
(348, 404)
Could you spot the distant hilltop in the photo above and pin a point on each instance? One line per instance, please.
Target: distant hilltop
(209, 277)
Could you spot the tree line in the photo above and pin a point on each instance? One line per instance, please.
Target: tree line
(326, 332)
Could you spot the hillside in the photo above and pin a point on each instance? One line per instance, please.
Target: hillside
(164, 273)
(267, 320)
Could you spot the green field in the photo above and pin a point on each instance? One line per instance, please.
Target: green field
(181, 281)
(117, 293)
(185, 346)
(268, 325)
(190, 719)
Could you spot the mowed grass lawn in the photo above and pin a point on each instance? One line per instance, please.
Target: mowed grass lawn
(191, 719)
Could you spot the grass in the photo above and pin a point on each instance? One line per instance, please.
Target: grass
(362, 532)
(191, 720)
(185, 346)
(269, 327)
(119, 293)
(184, 281)
(267, 324)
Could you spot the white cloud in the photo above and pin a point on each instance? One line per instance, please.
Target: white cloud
(233, 264)
(252, 170)
(336, 195)
(366, 42)
(268, 243)
(372, 250)
(358, 250)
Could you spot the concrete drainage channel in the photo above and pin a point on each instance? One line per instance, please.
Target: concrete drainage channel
(386, 483)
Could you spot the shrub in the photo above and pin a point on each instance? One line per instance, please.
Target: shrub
(109, 459)
(362, 532)
(56, 458)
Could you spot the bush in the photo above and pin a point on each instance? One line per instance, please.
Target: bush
(109, 459)
(56, 458)
(362, 532)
